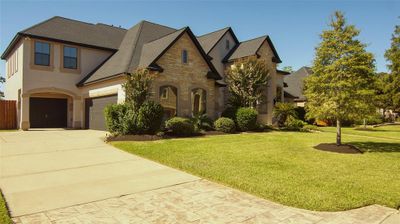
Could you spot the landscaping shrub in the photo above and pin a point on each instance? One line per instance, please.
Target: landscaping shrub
(282, 111)
(230, 112)
(246, 119)
(122, 119)
(114, 116)
(149, 118)
(202, 122)
(225, 124)
(371, 120)
(309, 127)
(294, 124)
(180, 126)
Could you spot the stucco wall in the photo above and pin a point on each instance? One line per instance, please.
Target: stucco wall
(14, 82)
(55, 77)
(218, 53)
(185, 77)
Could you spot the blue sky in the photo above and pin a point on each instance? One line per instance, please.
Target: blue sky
(294, 26)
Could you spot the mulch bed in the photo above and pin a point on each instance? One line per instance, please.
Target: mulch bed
(331, 147)
(111, 138)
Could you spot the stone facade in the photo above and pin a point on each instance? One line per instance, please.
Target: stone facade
(185, 77)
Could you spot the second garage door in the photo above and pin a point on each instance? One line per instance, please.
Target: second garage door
(94, 111)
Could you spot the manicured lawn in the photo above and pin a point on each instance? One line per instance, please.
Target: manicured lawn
(4, 218)
(284, 167)
(389, 131)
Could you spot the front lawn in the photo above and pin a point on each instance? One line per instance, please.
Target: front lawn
(4, 217)
(284, 167)
(388, 131)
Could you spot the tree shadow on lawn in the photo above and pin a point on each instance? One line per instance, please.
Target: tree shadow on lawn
(377, 146)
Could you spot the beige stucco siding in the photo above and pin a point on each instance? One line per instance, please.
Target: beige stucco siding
(185, 77)
(14, 81)
(36, 77)
(219, 52)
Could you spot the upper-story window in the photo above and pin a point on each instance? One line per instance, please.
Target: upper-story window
(70, 57)
(42, 53)
(227, 44)
(184, 56)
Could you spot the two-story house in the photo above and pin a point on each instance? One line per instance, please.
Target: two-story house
(63, 72)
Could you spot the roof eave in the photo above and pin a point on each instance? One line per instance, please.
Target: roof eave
(69, 42)
(11, 46)
(232, 34)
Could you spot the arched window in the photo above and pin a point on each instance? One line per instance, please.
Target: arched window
(199, 101)
(169, 100)
(184, 56)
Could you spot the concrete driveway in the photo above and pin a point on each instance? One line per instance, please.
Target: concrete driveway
(48, 169)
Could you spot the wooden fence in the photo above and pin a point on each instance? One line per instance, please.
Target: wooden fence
(8, 114)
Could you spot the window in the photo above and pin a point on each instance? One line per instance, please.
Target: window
(169, 101)
(227, 44)
(184, 57)
(70, 57)
(164, 93)
(42, 53)
(199, 101)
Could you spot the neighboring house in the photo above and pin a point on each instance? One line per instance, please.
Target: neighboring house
(63, 72)
(295, 85)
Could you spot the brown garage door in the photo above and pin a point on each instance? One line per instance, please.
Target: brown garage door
(47, 112)
(94, 111)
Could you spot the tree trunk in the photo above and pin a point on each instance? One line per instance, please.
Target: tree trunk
(338, 133)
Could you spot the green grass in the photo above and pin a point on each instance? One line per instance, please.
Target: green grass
(285, 168)
(4, 217)
(388, 131)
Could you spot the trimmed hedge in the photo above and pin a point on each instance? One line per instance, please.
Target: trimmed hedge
(150, 117)
(122, 119)
(246, 119)
(225, 124)
(230, 112)
(116, 118)
(180, 126)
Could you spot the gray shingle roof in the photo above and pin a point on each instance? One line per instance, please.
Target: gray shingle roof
(128, 56)
(153, 49)
(295, 82)
(247, 48)
(250, 47)
(73, 31)
(208, 41)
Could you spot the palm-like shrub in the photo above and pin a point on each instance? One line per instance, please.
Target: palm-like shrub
(283, 111)
(202, 122)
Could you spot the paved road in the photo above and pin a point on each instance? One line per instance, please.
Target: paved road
(61, 176)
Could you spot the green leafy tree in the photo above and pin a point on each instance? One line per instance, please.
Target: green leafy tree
(341, 86)
(392, 55)
(247, 80)
(2, 80)
(288, 69)
(384, 91)
(137, 88)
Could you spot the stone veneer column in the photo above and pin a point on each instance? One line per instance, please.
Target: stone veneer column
(24, 121)
(77, 114)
